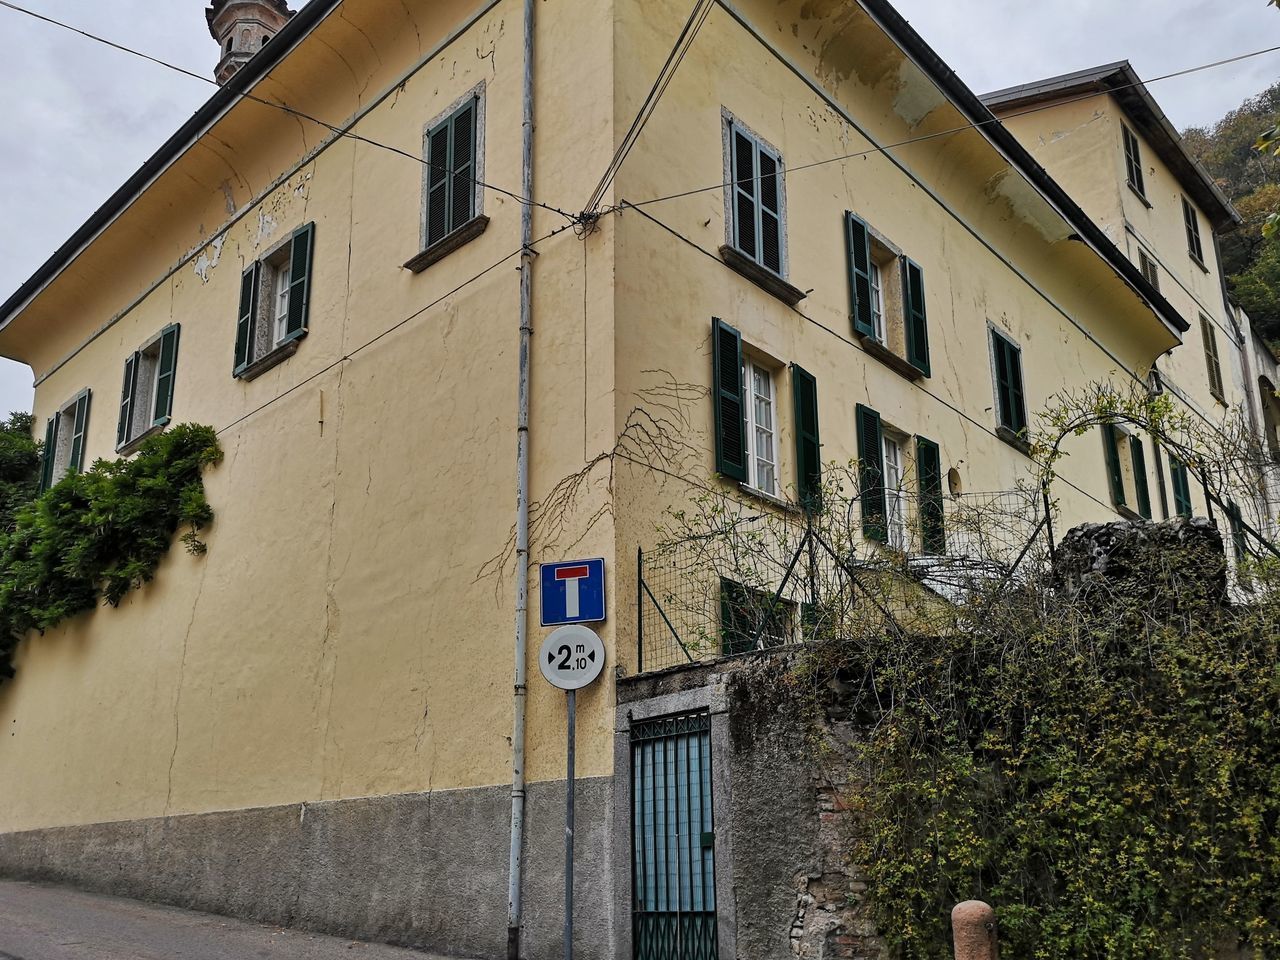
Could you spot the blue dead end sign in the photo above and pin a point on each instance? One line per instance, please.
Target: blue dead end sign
(572, 592)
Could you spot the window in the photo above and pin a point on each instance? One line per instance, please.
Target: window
(64, 440)
(451, 172)
(1149, 269)
(1133, 163)
(889, 317)
(1011, 402)
(895, 494)
(146, 398)
(751, 619)
(1193, 232)
(762, 435)
(756, 208)
(1211, 361)
(883, 485)
(265, 38)
(745, 402)
(1126, 471)
(1181, 488)
(933, 536)
(275, 303)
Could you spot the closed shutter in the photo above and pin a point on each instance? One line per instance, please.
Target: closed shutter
(1181, 487)
(127, 399)
(1238, 543)
(165, 374)
(1133, 161)
(248, 310)
(808, 445)
(731, 448)
(1111, 452)
(1012, 402)
(1212, 363)
(300, 255)
(933, 536)
(770, 211)
(1138, 456)
(916, 322)
(743, 162)
(462, 192)
(1193, 230)
(79, 429)
(439, 167)
(871, 474)
(50, 441)
(858, 245)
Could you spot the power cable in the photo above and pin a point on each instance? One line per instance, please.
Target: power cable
(697, 17)
(336, 131)
(787, 171)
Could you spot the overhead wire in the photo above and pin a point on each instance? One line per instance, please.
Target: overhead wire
(278, 105)
(884, 148)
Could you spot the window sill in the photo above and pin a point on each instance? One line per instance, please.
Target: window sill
(1015, 440)
(131, 445)
(1197, 261)
(763, 278)
(446, 245)
(1129, 514)
(1138, 193)
(772, 499)
(890, 359)
(264, 363)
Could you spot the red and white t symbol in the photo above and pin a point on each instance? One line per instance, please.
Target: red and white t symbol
(571, 576)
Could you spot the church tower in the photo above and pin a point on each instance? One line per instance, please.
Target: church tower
(242, 28)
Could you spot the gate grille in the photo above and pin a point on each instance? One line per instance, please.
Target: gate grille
(673, 839)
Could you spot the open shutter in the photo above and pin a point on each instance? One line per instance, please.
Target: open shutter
(858, 244)
(917, 324)
(731, 447)
(808, 446)
(249, 282)
(300, 281)
(1181, 488)
(933, 535)
(871, 474)
(127, 395)
(165, 374)
(1139, 459)
(50, 440)
(1111, 451)
(81, 426)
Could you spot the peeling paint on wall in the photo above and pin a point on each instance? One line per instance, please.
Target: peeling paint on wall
(209, 258)
(917, 96)
(1027, 205)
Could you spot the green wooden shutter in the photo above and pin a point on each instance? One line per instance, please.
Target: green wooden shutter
(916, 321)
(933, 536)
(439, 166)
(731, 446)
(127, 399)
(300, 255)
(1139, 458)
(745, 205)
(50, 440)
(1111, 452)
(1181, 488)
(249, 282)
(857, 240)
(81, 427)
(871, 474)
(808, 446)
(1011, 401)
(462, 165)
(1236, 520)
(165, 374)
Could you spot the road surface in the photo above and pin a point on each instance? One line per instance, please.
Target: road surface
(53, 923)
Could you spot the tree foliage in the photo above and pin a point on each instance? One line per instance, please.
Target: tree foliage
(19, 466)
(99, 533)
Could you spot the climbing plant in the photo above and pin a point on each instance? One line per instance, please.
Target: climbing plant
(99, 533)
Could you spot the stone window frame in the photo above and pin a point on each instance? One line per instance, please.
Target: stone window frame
(712, 697)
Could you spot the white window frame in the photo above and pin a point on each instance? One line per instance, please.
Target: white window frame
(893, 456)
(755, 455)
(876, 279)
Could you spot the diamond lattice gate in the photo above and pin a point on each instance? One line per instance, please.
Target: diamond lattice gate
(673, 839)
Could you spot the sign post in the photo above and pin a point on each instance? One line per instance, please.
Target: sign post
(571, 658)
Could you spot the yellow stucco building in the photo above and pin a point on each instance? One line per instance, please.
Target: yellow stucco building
(817, 222)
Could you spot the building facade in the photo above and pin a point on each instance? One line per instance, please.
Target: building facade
(819, 249)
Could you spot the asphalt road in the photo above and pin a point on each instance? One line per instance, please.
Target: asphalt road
(53, 923)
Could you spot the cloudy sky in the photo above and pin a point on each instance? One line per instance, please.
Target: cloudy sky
(79, 117)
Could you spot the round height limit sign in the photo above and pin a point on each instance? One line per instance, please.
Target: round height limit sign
(571, 657)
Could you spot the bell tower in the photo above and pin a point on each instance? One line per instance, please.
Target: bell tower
(242, 28)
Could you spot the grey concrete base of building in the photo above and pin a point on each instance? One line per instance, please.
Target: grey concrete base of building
(422, 870)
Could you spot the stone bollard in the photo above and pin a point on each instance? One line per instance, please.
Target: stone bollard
(973, 926)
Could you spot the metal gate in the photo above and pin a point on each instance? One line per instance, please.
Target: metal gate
(673, 840)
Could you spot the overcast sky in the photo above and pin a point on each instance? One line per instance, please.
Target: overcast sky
(78, 117)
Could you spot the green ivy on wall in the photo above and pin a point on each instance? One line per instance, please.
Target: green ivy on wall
(99, 533)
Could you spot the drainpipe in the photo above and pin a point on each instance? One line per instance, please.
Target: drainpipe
(514, 905)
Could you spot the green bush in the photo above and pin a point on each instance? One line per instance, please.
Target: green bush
(101, 532)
